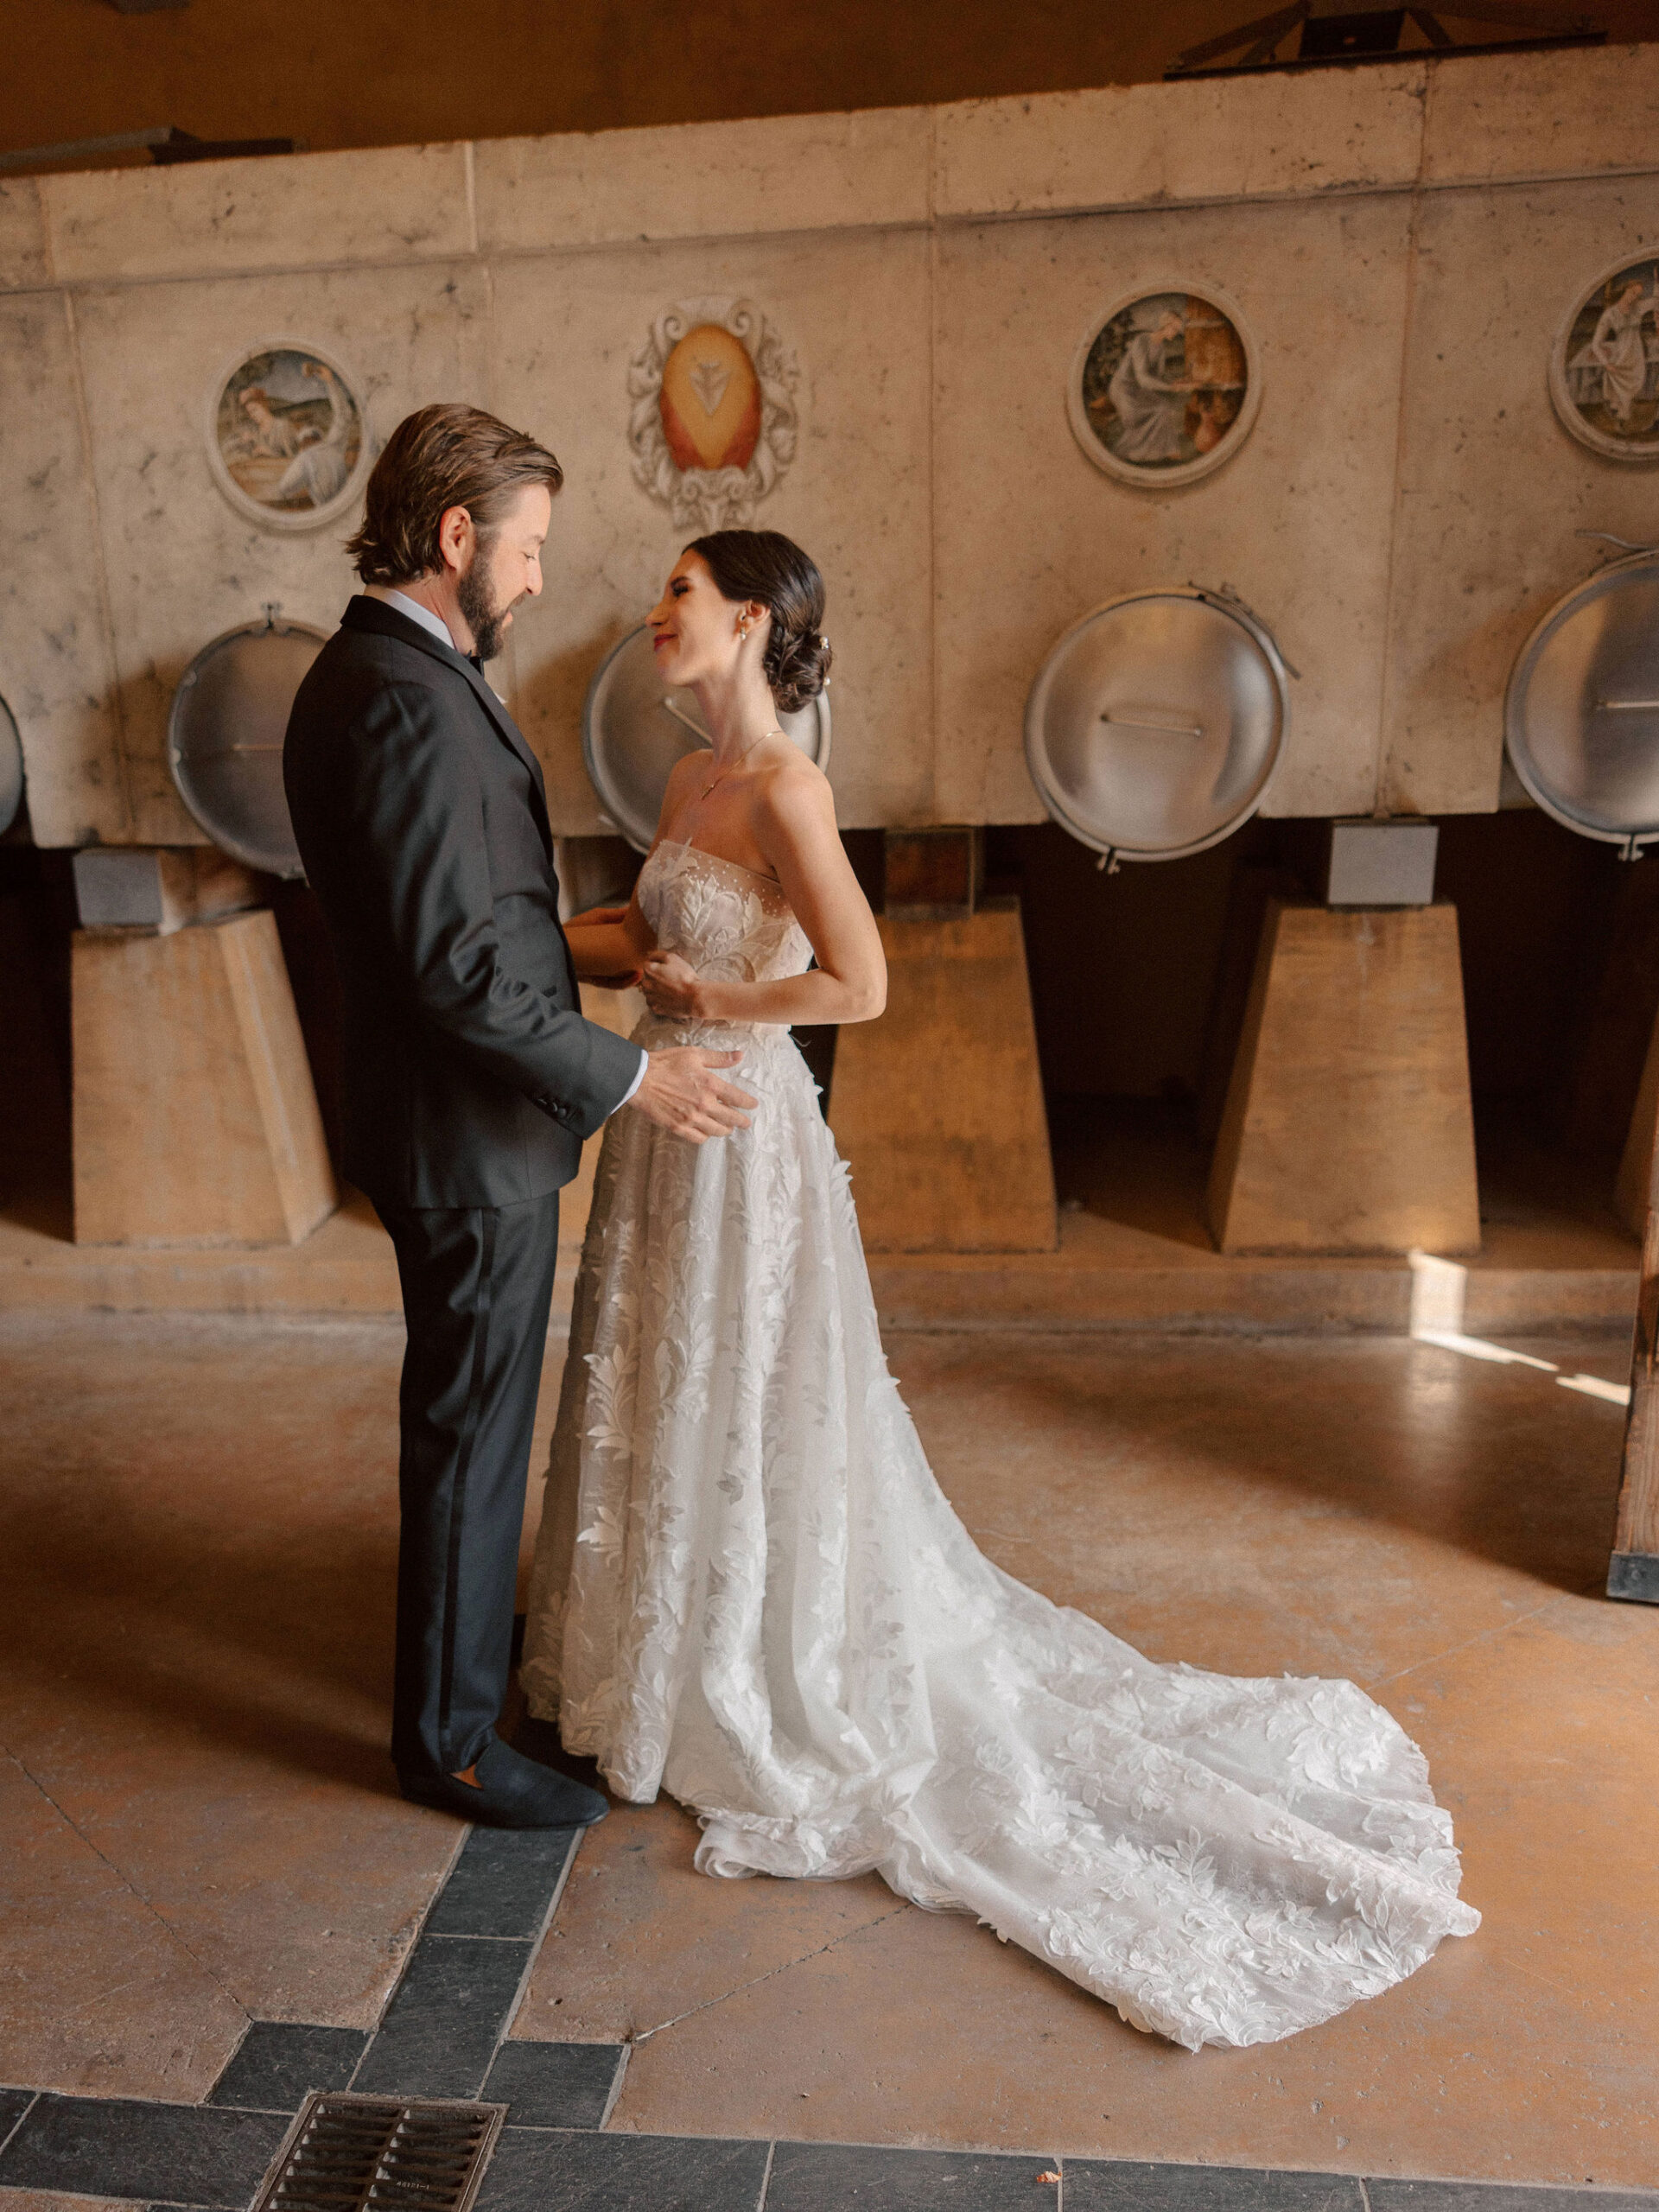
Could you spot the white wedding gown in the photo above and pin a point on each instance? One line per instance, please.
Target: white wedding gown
(751, 1592)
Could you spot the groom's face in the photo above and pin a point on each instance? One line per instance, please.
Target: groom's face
(505, 568)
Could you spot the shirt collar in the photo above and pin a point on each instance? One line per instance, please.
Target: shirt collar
(413, 611)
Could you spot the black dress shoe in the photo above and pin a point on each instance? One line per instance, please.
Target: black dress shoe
(513, 1792)
(540, 1740)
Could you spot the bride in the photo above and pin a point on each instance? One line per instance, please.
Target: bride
(749, 1589)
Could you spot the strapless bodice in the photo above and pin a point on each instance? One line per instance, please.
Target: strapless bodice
(721, 917)
(725, 921)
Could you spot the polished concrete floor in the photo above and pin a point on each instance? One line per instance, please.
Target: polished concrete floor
(197, 1825)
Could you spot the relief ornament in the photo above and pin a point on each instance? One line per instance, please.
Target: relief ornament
(712, 426)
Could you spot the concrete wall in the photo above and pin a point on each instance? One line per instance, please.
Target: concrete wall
(1403, 240)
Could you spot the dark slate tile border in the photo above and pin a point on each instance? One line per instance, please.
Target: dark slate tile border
(438, 2037)
(127, 2147)
(278, 2062)
(1504, 2196)
(828, 2176)
(461, 1985)
(504, 1881)
(14, 2103)
(556, 2084)
(446, 2017)
(1126, 2185)
(538, 2169)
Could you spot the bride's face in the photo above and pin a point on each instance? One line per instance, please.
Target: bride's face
(694, 632)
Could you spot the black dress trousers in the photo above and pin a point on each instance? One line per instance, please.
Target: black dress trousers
(478, 1286)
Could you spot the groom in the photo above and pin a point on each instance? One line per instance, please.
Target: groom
(471, 1077)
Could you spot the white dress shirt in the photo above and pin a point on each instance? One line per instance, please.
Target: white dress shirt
(413, 611)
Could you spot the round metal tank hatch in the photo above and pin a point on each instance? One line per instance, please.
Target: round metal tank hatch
(634, 730)
(1155, 724)
(224, 738)
(12, 769)
(1581, 717)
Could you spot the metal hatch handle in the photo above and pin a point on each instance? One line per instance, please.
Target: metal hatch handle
(680, 716)
(1624, 544)
(1626, 707)
(1167, 729)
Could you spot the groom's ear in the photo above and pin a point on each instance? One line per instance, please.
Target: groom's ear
(457, 537)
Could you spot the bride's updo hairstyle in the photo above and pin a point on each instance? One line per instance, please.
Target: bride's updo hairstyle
(765, 566)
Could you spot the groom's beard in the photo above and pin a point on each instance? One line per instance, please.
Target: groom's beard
(487, 621)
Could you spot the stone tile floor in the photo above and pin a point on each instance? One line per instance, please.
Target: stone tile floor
(198, 1831)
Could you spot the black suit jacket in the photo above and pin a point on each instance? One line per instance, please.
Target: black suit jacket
(470, 1076)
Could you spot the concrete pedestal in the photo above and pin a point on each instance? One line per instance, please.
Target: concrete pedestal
(1633, 1571)
(195, 1118)
(937, 1108)
(1348, 1125)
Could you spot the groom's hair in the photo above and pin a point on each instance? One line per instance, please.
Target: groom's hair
(450, 455)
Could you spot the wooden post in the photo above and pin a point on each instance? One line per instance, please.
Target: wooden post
(1636, 1167)
(1633, 1571)
(1349, 1126)
(195, 1118)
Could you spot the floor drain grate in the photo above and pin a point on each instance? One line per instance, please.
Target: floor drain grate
(345, 2154)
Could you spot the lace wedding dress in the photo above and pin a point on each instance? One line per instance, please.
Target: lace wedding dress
(751, 1592)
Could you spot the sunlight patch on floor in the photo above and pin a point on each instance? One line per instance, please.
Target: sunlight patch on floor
(1438, 1290)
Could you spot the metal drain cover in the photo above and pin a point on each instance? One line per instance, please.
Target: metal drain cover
(345, 2154)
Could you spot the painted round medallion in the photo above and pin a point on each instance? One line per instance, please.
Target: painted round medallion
(1604, 371)
(286, 436)
(1165, 386)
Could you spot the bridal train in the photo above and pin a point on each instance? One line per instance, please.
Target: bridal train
(751, 1592)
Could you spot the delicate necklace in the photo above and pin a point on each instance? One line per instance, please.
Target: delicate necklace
(738, 763)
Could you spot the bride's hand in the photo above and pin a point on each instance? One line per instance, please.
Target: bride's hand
(674, 988)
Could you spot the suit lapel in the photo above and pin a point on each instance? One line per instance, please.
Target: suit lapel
(366, 614)
(505, 726)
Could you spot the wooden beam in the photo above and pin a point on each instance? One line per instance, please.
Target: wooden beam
(1633, 1571)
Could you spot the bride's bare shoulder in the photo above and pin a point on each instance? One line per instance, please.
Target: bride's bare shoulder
(794, 809)
(791, 787)
(690, 768)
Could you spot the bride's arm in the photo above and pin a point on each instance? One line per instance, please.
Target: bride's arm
(615, 942)
(794, 825)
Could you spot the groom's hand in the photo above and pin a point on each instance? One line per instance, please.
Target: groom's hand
(681, 1091)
